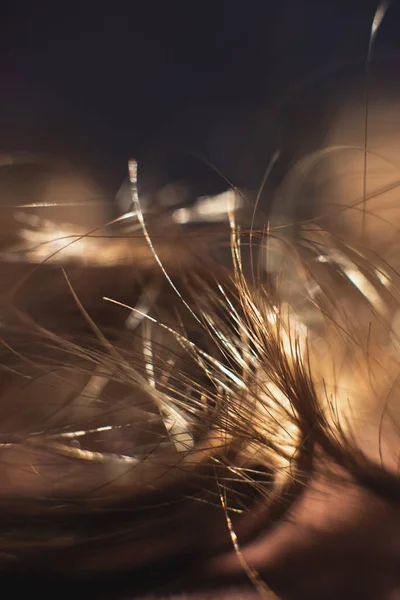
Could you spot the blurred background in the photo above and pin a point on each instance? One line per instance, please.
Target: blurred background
(171, 83)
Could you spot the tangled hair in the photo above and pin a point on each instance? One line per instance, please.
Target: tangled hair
(170, 390)
(153, 394)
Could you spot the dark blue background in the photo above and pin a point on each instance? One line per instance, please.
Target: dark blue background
(104, 82)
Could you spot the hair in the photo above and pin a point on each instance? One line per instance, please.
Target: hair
(153, 394)
(170, 391)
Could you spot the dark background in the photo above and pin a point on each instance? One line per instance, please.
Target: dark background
(229, 79)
